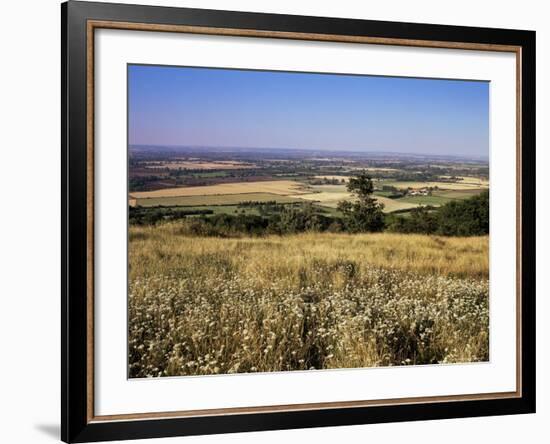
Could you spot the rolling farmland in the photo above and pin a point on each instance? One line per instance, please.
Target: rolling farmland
(291, 191)
(258, 183)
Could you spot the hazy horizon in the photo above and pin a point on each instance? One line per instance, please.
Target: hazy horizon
(243, 109)
(311, 150)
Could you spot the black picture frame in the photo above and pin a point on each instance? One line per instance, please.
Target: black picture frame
(76, 424)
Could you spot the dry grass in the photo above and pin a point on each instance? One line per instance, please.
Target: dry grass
(282, 187)
(210, 305)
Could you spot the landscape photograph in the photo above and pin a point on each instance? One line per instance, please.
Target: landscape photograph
(293, 221)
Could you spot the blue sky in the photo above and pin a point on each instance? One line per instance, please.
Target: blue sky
(264, 109)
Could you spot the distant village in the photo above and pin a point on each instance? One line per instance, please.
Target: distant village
(420, 192)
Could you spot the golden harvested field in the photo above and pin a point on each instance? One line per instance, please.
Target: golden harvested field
(200, 165)
(216, 199)
(391, 205)
(440, 185)
(281, 187)
(329, 177)
(331, 199)
(330, 195)
(477, 181)
(200, 305)
(327, 198)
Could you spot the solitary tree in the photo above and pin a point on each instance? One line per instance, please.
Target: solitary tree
(365, 213)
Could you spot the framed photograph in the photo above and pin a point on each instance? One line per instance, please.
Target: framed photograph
(275, 221)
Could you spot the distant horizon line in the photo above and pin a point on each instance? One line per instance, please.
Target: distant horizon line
(263, 148)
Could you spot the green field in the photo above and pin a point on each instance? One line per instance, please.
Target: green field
(217, 199)
(425, 200)
(440, 197)
(209, 174)
(384, 193)
(458, 194)
(224, 209)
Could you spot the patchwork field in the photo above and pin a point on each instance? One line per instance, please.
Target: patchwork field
(330, 195)
(331, 199)
(281, 187)
(293, 191)
(216, 199)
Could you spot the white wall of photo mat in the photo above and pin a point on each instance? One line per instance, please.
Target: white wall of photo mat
(30, 256)
(116, 394)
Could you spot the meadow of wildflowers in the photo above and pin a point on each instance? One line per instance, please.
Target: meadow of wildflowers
(206, 305)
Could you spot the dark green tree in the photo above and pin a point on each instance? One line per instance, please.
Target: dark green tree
(306, 218)
(469, 217)
(423, 219)
(365, 213)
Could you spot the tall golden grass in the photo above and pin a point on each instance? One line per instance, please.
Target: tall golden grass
(204, 305)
